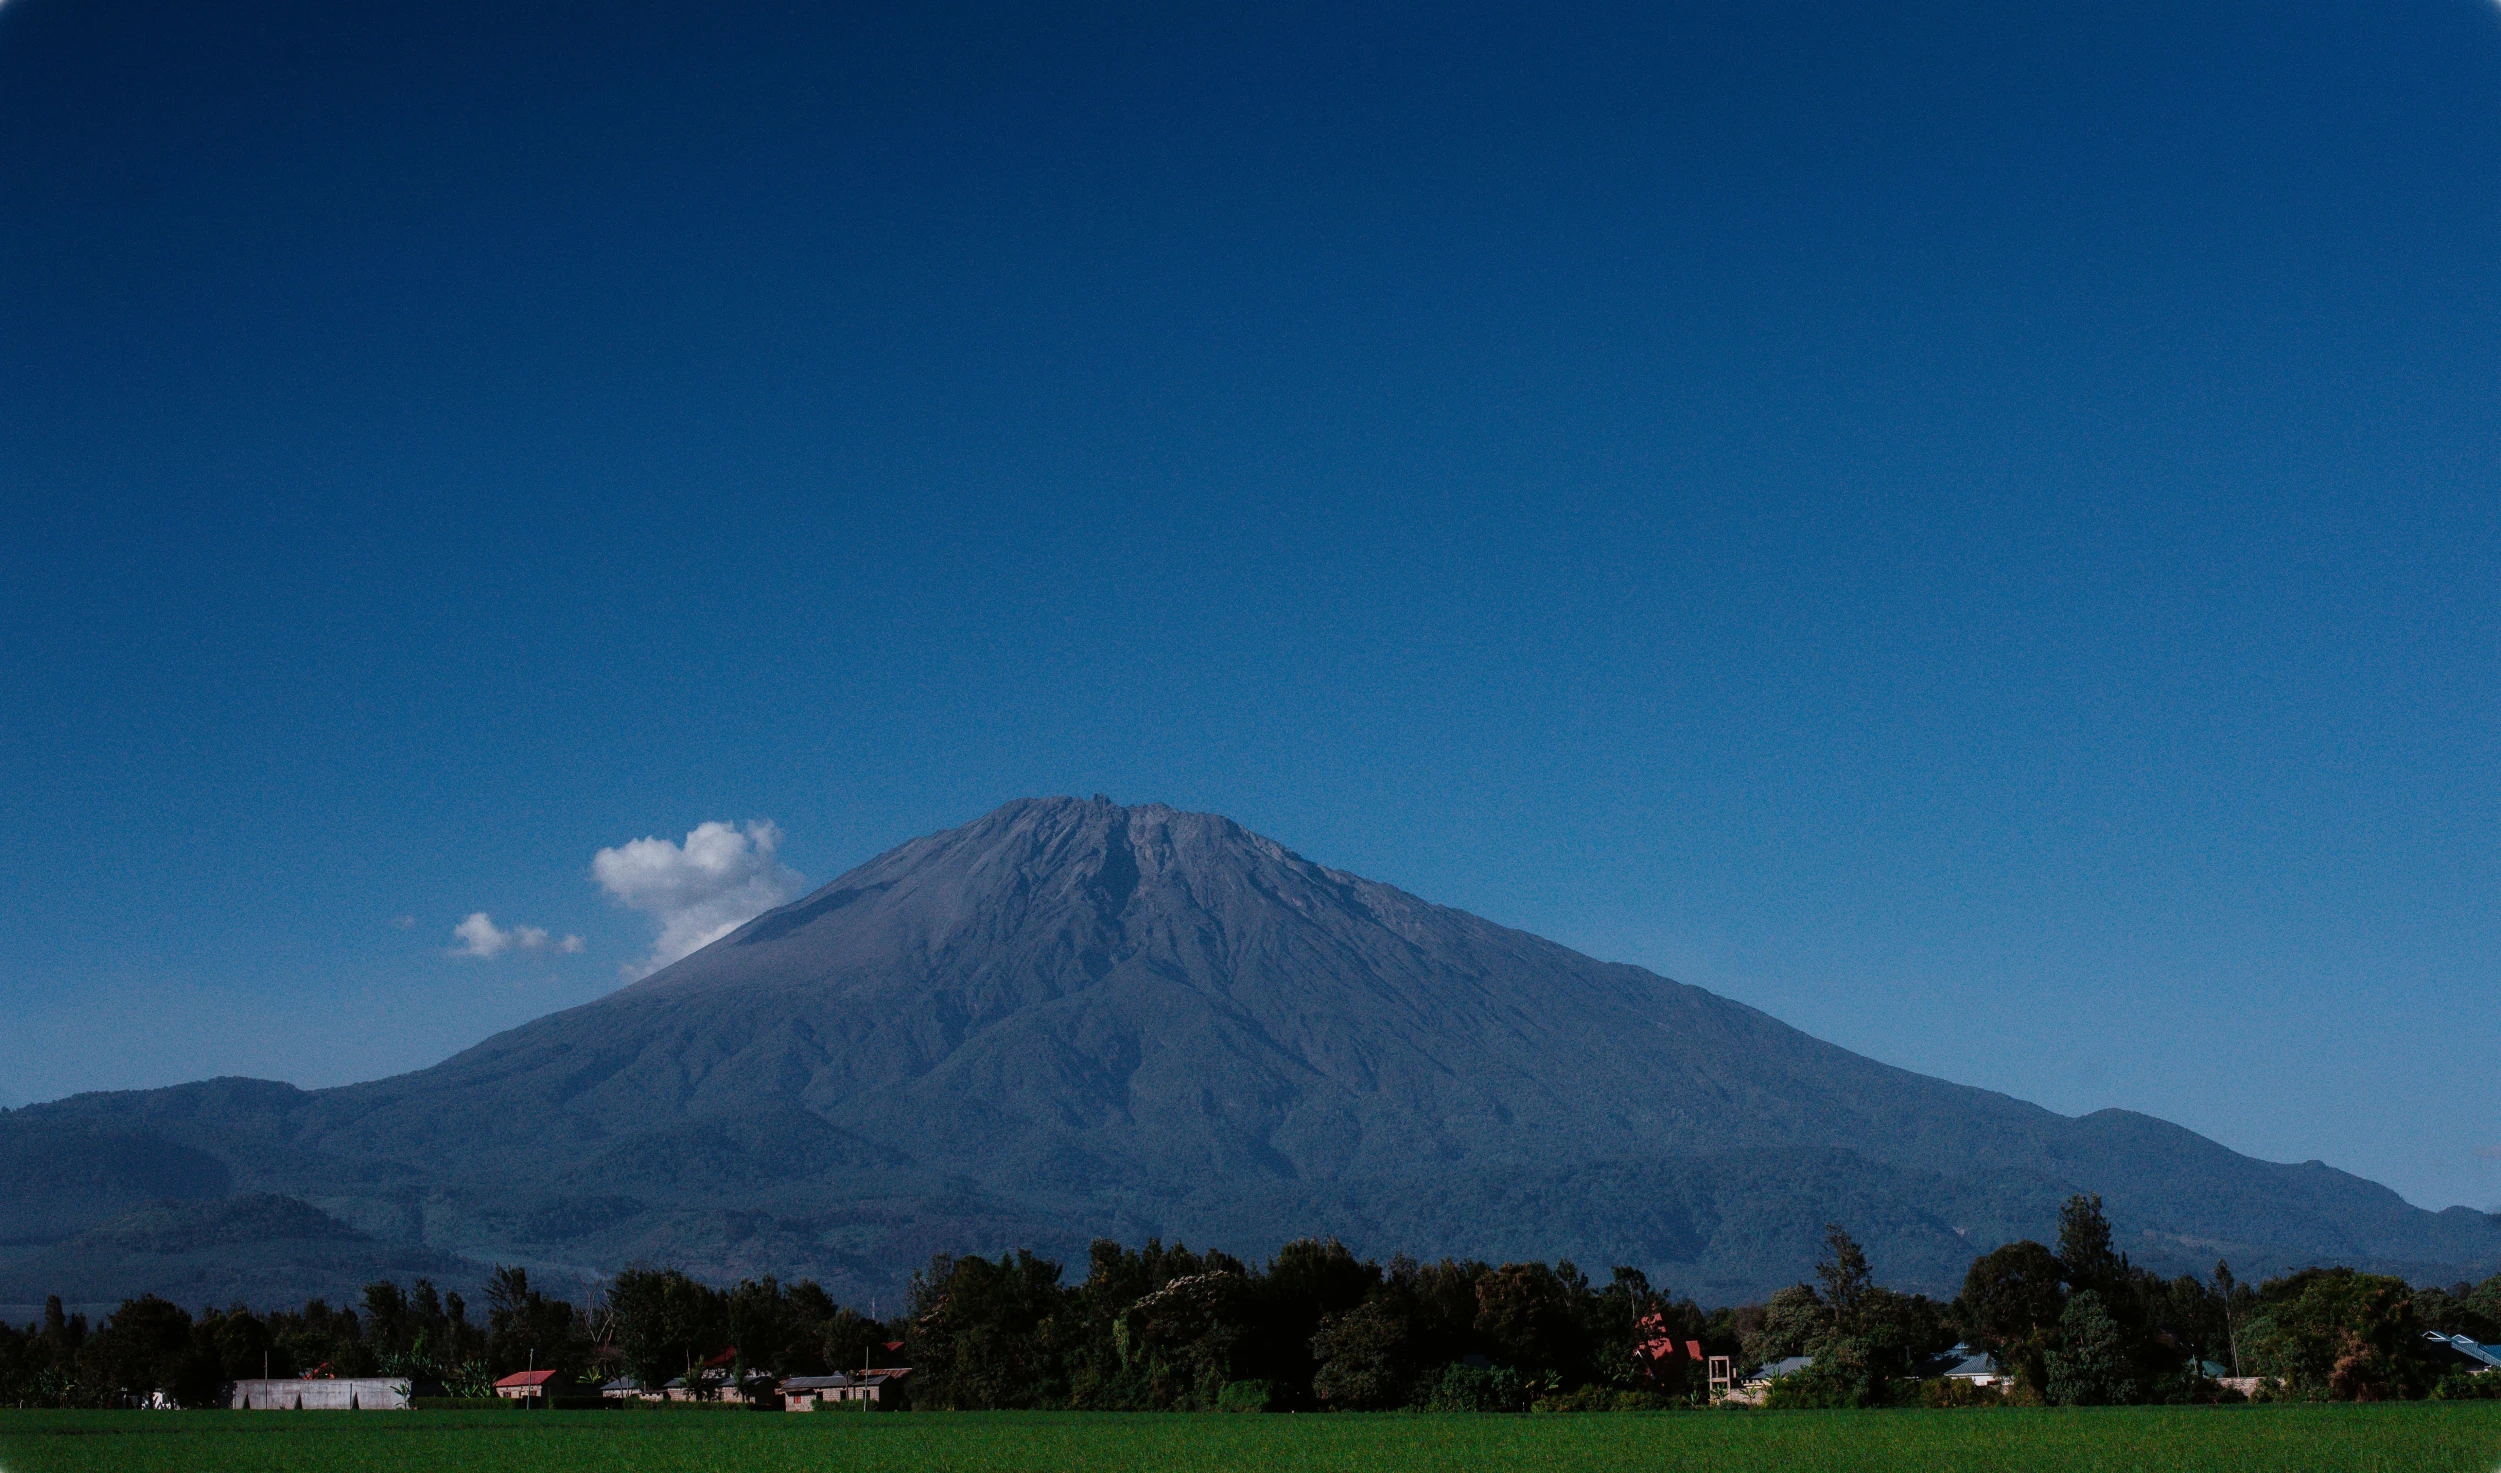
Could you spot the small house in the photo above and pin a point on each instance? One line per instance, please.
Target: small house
(711, 1383)
(534, 1386)
(802, 1393)
(873, 1390)
(2462, 1353)
(1973, 1367)
(1755, 1388)
(878, 1389)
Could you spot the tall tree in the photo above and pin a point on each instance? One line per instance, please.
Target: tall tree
(665, 1323)
(2010, 1306)
(1846, 1278)
(2090, 1366)
(983, 1334)
(2085, 1248)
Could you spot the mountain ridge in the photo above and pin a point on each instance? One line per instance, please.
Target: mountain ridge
(1071, 1017)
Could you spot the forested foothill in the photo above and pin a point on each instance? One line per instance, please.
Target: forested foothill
(1317, 1329)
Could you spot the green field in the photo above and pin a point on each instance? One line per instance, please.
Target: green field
(2417, 1437)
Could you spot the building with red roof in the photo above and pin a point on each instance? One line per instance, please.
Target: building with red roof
(534, 1385)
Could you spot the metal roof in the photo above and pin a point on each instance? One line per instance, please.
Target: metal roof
(2485, 1355)
(1972, 1365)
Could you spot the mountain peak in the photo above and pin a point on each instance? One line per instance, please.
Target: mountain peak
(1072, 1017)
(1033, 868)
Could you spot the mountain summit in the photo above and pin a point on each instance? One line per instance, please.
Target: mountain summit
(1072, 1018)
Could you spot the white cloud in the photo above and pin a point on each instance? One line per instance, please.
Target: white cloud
(718, 880)
(480, 937)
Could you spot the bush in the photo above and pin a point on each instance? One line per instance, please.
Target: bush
(1245, 1396)
(1945, 1392)
(1601, 1399)
(2468, 1386)
(1466, 1388)
(2187, 1388)
(1821, 1388)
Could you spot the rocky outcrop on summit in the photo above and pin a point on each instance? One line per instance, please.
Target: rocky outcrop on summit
(1071, 1018)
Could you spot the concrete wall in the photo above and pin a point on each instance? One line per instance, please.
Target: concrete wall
(372, 1394)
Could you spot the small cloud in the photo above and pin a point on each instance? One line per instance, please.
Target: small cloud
(2488, 1153)
(721, 878)
(480, 937)
(405, 923)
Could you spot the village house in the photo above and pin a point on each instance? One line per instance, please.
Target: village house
(2468, 1355)
(712, 1381)
(1975, 1367)
(802, 1393)
(871, 1390)
(526, 1386)
(1753, 1389)
(703, 1385)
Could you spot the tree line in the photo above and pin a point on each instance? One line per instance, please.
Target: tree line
(1316, 1328)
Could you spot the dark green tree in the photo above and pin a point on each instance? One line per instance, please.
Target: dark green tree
(854, 1342)
(665, 1324)
(2010, 1306)
(2085, 1249)
(2337, 1333)
(146, 1347)
(983, 1334)
(1870, 1335)
(244, 1346)
(526, 1329)
(1366, 1359)
(1529, 1318)
(1308, 1280)
(2090, 1365)
(1180, 1342)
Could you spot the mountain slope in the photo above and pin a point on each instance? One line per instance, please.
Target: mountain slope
(1070, 1018)
(259, 1249)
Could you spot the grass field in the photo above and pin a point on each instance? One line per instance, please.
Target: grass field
(2422, 1437)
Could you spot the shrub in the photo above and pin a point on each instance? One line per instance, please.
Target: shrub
(1814, 1389)
(1601, 1399)
(1945, 1392)
(2468, 1386)
(1466, 1388)
(1245, 1396)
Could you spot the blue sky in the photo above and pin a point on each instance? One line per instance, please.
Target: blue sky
(1971, 527)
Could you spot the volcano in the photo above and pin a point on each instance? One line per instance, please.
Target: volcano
(1072, 1019)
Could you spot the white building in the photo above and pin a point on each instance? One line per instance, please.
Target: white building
(346, 1394)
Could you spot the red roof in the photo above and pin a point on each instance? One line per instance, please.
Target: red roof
(528, 1378)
